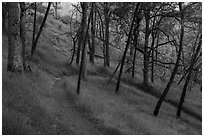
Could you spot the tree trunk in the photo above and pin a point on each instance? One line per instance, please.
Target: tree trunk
(40, 29)
(107, 22)
(74, 50)
(152, 67)
(135, 50)
(101, 34)
(89, 42)
(84, 40)
(135, 53)
(156, 49)
(131, 50)
(80, 40)
(34, 26)
(193, 60)
(184, 75)
(74, 40)
(126, 47)
(183, 95)
(15, 63)
(84, 29)
(152, 47)
(156, 111)
(133, 63)
(146, 56)
(113, 74)
(92, 49)
(84, 63)
(23, 32)
(4, 16)
(79, 48)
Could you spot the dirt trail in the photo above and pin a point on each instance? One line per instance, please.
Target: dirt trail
(76, 120)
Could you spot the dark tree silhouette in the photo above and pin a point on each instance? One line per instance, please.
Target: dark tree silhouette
(107, 23)
(153, 34)
(34, 24)
(135, 14)
(193, 60)
(101, 33)
(146, 55)
(40, 29)
(113, 74)
(135, 42)
(84, 29)
(74, 39)
(161, 99)
(4, 16)
(23, 32)
(79, 40)
(92, 47)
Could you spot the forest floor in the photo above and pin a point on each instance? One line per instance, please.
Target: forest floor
(44, 101)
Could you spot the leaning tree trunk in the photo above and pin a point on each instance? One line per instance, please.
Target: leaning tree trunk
(156, 111)
(40, 29)
(113, 74)
(188, 79)
(126, 48)
(23, 32)
(15, 63)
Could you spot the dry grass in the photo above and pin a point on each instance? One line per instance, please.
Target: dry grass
(23, 110)
(17, 103)
(130, 112)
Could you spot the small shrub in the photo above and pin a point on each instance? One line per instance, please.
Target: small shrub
(65, 19)
(98, 70)
(102, 70)
(60, 27)
(39, 19)
(70, 70)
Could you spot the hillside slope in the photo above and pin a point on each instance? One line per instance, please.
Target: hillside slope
(44, 101)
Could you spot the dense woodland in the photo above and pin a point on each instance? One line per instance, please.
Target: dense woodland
(141, 44)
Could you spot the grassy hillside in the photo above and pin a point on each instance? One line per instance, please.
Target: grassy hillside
(44, 101)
